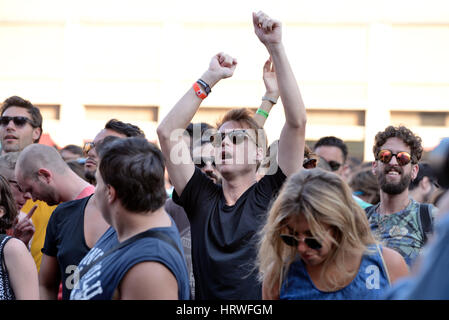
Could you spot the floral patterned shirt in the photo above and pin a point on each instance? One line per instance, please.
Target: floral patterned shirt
(400, 231)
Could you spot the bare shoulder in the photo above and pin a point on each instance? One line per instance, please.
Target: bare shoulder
(397, 268)
(14, 247)
(149, 280)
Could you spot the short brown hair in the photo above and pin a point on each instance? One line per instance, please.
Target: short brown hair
(245, 117)
(403, 133)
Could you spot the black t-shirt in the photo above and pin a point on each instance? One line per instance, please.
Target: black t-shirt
(65, 240)
(224, 238)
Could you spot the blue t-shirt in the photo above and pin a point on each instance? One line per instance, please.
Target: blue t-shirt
(370, 283)
(100, 282)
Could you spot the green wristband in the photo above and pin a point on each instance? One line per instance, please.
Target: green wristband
(262, 113)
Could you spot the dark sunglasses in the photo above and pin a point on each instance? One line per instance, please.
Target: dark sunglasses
(402, 157)
(309, 163)
(87, 147)
(202, 162)
(236, 136)
(18, 121)
(334, 165)
(293, 241)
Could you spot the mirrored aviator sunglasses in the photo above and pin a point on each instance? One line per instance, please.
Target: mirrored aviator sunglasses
(293, 241)
(87, 147)
(403, 157)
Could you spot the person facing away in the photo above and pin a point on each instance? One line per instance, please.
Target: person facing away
(18, 274)
(20, 126)
(316, 244)
(76, 225)
(132, 202)
(398, 220)
(225, 218)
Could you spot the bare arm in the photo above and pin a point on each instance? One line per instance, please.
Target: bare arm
(149, 281)
(271, 92)
(180, 169)
(22, 270)
(397, 268)
(292, 139)
(49, 278)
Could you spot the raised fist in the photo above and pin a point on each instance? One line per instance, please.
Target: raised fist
(269, 31)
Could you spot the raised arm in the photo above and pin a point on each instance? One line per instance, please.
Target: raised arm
(292, 139)
(179, 163)
(271, 95)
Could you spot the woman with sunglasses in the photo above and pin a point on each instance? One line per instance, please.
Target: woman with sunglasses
(317, 244)
(18, 274)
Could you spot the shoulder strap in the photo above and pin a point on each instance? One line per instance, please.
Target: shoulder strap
(149, 233)
(384, 264)
(425, 218)
(369, 211)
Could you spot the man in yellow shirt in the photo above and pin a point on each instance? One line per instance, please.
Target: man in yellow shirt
(20, 126)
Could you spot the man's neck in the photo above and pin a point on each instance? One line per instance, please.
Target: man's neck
(72, 189)
(390, 203)
(233, 189)
(128, 224)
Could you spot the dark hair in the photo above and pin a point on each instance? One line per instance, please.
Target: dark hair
(365, 183)
(403, 133)
(73, 149)
(195, 140)
(127, 129)
(135, 168)
(332, 142)
(8, 204)
(34, 112)
(425, 170)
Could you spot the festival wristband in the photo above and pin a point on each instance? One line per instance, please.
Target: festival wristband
(198, 91)
(205, 86)
(262, 113)
(273, 101)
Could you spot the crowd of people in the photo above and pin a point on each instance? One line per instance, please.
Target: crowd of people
(214, 213)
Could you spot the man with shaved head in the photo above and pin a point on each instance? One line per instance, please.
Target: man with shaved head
(41, 171)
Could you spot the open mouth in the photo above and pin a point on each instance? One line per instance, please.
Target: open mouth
(9, 137)
(393, 171)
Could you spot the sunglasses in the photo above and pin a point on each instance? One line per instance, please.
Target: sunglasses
(236, 136)
(87, 147)
(334, 165)
(202, 162)
(293, 241)
(309, 163)
(402, 157)
(18, 121)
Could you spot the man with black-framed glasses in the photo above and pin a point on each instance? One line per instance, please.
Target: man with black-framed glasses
(398, 221)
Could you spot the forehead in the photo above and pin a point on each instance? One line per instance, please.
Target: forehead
(16, 112)
(298, 223)
(330, 153)
(232, 125)
(106, 133)
(396, 145)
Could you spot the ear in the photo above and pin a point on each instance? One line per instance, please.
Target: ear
(260, 154)
(111, 194)
(37, 132)
(2, 211)
(425, 184)
(45, 174)
(374, 167)
(415, 169)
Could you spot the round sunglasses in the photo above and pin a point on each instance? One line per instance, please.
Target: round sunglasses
(293, 241)
(236, 136)
(403, 158)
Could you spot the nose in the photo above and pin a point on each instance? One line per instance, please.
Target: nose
(27, 195)
(302, 247)
(393, 161)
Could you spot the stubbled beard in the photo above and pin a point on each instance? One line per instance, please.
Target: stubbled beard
(89, 175)
(394, 188)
